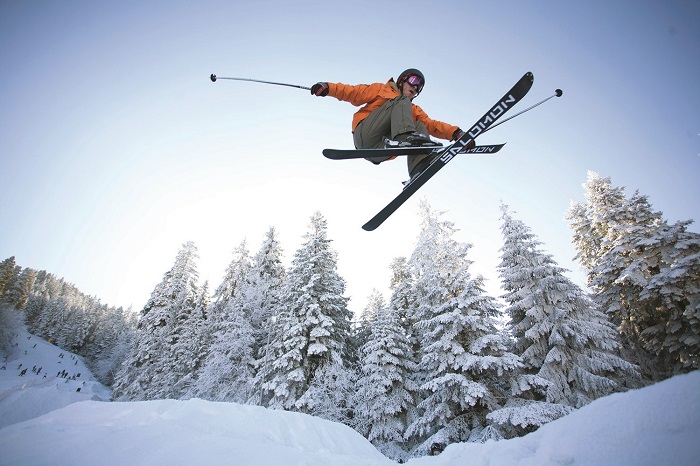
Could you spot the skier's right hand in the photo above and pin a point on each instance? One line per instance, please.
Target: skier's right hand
(320, 89)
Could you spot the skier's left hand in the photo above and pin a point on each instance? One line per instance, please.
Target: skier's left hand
(458, 134)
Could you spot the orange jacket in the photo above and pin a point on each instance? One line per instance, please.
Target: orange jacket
(373, 96)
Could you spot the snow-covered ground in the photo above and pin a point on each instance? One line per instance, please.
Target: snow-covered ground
(47, 421)
(33, 394)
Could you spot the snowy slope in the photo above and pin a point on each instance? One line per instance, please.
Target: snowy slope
(49, 391)
(658, 425)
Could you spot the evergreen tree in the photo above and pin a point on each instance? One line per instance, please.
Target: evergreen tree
(644, 273)
(403, 298)
(263, 295)
(567, 347)
(227, 366)
(403, 304)
(314, 325)
(37, 300)
(12, 284)
(385, 393)
(236, 274)
(115, 337)
(8, 275)
(330, 393)
(363, 329)
(152, 370)
(228, 370)
(10, 319)
(464, 356)
(235, 279)
(674, 292)
(188, 350)
(54, 315)
(18, 295)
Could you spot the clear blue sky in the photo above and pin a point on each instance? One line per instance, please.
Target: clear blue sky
(116, 148)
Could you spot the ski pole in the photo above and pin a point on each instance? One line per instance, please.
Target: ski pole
(214, 78)
(557, 93)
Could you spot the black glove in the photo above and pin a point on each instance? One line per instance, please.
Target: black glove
(458, 134)
(320, 89)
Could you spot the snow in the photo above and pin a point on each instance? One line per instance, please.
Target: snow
(46, 421)
(32, 395)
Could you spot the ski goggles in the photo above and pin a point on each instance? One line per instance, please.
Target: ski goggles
(415, 80)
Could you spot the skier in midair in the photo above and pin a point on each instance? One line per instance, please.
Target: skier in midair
(389, 117)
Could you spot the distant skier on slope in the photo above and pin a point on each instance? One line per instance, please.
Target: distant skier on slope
(389, 117)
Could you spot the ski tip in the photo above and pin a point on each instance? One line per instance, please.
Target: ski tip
(558, 92)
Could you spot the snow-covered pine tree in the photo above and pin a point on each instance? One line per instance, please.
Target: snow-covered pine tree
(402, 303)
(148, 372)
(227, 366)
(49, 321)
(464, 356)
(190, 341)
(10, 318)
(115, 337)
(567, 347)
(314, 325)
(15, 285)
(263, 293)
(385, 393)
(329, 395)
(403, 299)
(644, 273)
(602, 229)
(235, 278)
(675, 293)
(19, 294)
(227, 372)
(363, 328)
(38, 297)
(8, 275)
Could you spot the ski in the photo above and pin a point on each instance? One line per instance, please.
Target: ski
(446, 154)
(344, 154)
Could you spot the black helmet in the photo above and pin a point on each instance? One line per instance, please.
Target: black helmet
(412, 72)
(438, 447)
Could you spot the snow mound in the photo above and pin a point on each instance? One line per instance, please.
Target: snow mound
(183, 432)
(656, 425)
